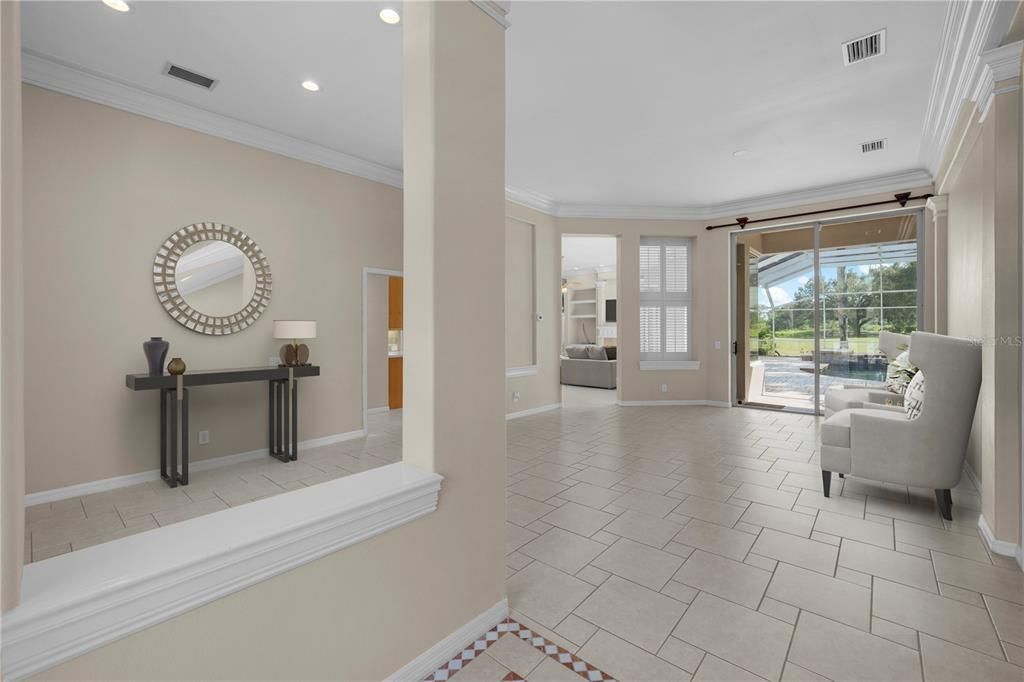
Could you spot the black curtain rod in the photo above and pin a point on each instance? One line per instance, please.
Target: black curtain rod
(902, 198)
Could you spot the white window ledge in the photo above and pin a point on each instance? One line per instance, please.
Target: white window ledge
(525, 371)
(669, 365)
(77, 602)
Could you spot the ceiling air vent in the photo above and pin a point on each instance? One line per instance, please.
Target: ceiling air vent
(873, 146)
(202, 81)
(872, 45)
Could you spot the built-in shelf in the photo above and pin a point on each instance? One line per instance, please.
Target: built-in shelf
(589, 300)
(584, 316)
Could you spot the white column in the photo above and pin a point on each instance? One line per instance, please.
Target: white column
(935, 243)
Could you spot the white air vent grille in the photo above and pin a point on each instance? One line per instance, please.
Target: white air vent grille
(873, 146)
(866, 47)
(175, 71)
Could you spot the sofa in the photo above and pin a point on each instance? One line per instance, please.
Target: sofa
(588, 365)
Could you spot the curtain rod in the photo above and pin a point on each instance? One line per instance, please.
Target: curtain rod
(902, 198)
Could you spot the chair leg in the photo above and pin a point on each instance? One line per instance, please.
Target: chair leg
(944, 498)
(842, 475)
(826, 481)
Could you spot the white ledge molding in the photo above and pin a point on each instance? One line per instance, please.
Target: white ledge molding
(669, 365)
(524, 371)
(77, 602)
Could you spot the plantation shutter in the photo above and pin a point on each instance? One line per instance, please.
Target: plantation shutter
(665, 298)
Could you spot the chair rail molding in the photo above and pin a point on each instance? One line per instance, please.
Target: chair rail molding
(77, 602)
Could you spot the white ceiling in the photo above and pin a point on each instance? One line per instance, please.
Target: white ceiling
(588, 254)
(609, 102)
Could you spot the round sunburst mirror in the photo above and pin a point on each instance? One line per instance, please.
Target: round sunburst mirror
(212, 278)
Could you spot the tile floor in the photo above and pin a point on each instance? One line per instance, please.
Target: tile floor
(65, 526)
(677, 543)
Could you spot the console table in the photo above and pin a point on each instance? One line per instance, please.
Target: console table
(282, 416)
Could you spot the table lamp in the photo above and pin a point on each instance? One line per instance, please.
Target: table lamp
(294, 353)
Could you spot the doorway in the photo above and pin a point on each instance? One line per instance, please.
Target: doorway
(810, 300)
(383, 340)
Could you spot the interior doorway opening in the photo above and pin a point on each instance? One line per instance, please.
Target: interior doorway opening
(809, 303)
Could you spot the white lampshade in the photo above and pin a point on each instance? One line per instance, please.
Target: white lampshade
(294, 329)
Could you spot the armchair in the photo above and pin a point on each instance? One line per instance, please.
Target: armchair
(845, 398)
(926, 452)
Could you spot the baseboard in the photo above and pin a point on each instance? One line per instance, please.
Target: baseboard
(533, 410)
(81, 489)
(1000, 547)
(433, 658)
(378, 410)
(665, 403)
(972, 477)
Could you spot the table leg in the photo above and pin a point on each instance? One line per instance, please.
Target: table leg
(295, 420)
(163, 434)
(184, 438)
(172, 475)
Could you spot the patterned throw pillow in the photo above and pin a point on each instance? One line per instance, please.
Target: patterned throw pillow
(899, 373)
(913, 399)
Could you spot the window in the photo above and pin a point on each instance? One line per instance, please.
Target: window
(665, 298)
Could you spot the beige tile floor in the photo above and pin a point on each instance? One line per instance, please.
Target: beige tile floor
(677, 543)
(670, 543)
(60, 527)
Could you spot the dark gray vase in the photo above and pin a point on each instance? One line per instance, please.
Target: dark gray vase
(156, 352)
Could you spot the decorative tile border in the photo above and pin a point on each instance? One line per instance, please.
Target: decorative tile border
(509, 626)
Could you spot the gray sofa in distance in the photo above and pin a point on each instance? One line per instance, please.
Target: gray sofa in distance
(590, 367)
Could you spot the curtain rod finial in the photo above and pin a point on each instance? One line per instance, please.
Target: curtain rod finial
(742, 222)
(902, 198)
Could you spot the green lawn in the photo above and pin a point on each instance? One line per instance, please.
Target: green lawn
(796, 347)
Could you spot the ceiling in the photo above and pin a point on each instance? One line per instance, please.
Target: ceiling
(588, 255)
(609, 102)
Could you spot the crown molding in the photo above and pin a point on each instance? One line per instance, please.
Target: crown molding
(904, 180)
(495, 9)
(997, 65)
(971, 28)
(71, 80)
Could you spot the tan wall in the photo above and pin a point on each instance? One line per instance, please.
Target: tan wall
(12, 410)
(520, 293)
(543, 387)
(103, 189)
(376, 341)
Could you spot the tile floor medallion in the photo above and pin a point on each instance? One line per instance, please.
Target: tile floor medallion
(475, 663)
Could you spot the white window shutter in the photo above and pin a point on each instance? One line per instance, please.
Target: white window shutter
(665, 298)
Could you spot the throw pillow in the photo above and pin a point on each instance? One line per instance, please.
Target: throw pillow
(899, 373)
(913, 399)
(596, 353)
(576, 351)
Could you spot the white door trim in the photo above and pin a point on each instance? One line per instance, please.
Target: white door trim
(366, 276)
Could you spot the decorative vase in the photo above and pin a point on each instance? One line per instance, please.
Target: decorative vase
(156, 352)
(176, 366)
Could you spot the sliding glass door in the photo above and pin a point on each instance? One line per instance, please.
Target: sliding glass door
(816, 298)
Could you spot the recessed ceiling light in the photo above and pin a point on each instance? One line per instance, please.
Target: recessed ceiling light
(310, 85)
(118, 5)
(601, 265)
(740, 152)
(389, 16)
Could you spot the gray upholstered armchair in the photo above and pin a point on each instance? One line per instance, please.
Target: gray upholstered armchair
(926, 452)
(845, 398)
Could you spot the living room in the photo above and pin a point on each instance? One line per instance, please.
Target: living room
(492, 377)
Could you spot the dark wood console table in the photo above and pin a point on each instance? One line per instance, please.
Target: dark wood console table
(283, 412)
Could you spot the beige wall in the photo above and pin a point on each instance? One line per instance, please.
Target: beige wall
(376, 341)
(520, 293)
(12, 412)
(542, 388)
(103, 189)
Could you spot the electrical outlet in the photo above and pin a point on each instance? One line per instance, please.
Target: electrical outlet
(204, 437)
(718, 345)
(664, 388)
(515, 396)
(273, 361)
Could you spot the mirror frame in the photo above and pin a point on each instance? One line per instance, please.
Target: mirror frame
(166, 263)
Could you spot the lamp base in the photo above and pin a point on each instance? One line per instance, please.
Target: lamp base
(294, 354)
